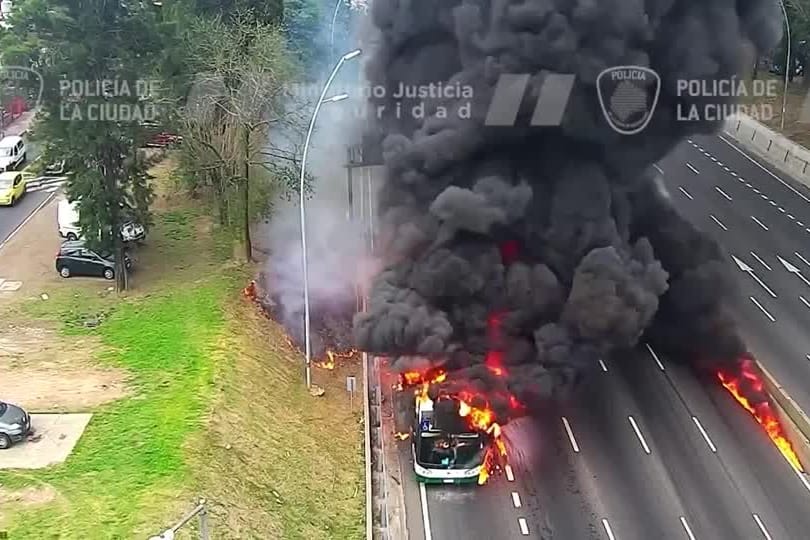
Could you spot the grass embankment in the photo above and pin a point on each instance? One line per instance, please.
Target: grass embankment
(795, 130)
(217, 409)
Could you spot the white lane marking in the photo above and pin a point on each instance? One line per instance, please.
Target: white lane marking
(570, 433)
(762, 284)
(714, 159)
(762, 527)
(603, 366)
(781, 209)
(425, 514)
(655, 356)
(773, 203)
(657, 168)
(750, 271)
(764, 197)
(802, 478)
(755, 162)
(793, 270)
(733, 174)
(800, 224)
(639, 435)
(687, 529)
(762, 309)
(763, 263)
(747, 184)
(608, 530)
(694, 170)
(524, 527)
(723, 193)
(804, 301)
(758, 222)
(712, 447)
(807, 356)
(799, 255)
(756, 191)
(791, 216)
(510, 475)
(26, 220)
(516, 499)
(718, 222)
(807, 230)
(686, 193)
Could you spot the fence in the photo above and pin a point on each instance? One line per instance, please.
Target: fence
(200, 511)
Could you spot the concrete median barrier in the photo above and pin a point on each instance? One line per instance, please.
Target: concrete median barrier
(777, 150)
(795, 421)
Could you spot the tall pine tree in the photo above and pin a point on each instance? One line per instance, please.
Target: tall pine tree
(96, 58)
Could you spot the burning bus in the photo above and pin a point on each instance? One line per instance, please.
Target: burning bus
(445, 449)
(453, 442)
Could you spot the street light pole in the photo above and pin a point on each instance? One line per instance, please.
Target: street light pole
(332, 31)
(307, 347)
(788, 67)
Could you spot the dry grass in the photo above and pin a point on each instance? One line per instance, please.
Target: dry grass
(795, 130)
(294, 467)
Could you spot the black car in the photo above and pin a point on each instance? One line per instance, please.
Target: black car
(15, 425)
(76, 259)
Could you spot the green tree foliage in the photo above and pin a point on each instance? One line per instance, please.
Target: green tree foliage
(94, 57)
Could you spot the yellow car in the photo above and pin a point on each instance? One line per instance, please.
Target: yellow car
(12, 187)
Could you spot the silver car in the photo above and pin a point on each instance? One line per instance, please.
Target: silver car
(15, 425)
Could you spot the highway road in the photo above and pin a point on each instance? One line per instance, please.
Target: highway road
(647, 450)
(762, 219)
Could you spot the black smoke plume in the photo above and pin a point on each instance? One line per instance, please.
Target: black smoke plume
(561, 233)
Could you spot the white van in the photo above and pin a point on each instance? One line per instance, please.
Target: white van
(67, 217)
(12, 153)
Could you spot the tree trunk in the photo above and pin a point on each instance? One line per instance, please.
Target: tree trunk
(246, 199)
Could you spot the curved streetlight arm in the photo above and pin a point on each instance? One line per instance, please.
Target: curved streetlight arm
(788, 67)
(332, 31)
(307, 346)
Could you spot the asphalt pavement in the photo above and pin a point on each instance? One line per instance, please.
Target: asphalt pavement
(648, 450)
(762, 219)
(12, 217)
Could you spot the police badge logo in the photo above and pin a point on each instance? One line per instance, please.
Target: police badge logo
(628, 96)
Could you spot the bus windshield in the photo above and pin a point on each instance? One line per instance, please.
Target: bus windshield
(446, 451)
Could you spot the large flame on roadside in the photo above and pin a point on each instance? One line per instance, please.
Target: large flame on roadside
(762, 410)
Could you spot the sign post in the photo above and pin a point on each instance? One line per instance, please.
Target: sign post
(351, 387)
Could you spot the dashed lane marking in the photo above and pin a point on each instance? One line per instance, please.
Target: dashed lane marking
(719, 223)
(762, 309)
(524, 527)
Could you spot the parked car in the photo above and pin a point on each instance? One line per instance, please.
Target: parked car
(67, 218)
(15, 425)
(12, 153)
(76, 259)
(12, 187)
(163, 139)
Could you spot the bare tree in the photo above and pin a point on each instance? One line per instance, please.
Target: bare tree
(241, 123)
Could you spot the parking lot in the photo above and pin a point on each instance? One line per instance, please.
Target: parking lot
(54, 439)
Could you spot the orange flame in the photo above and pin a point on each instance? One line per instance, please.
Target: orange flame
(331, 358)
(763, 415)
